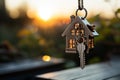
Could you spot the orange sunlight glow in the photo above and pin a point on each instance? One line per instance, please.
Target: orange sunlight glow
(45, 12)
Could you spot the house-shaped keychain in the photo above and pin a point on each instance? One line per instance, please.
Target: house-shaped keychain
(79, 35)
(79, 30)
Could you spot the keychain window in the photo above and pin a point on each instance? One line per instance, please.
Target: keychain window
(72, 43)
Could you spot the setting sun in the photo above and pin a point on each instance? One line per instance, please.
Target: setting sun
(45, 11)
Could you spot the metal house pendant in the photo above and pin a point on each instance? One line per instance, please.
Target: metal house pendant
(78, 31)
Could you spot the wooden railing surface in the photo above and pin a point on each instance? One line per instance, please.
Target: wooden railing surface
(24, 69)
(101, 71)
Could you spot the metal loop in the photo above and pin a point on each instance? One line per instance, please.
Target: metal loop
(81, 10)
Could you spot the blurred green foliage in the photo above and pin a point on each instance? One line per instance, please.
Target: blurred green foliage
(36, 42)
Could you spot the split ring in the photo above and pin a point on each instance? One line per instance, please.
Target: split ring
(80, 10)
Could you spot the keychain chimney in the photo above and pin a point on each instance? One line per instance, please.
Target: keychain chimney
(72, 18)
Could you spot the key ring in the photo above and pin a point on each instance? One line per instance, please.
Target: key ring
(81, 10)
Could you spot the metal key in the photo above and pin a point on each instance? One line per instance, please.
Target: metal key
(81, 49)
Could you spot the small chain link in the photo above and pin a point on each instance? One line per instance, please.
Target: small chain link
(80, 4)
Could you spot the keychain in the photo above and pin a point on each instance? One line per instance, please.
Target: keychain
(79, 35)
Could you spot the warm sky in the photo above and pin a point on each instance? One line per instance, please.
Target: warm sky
(47, 9)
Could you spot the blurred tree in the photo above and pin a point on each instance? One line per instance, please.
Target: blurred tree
(117, 13)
